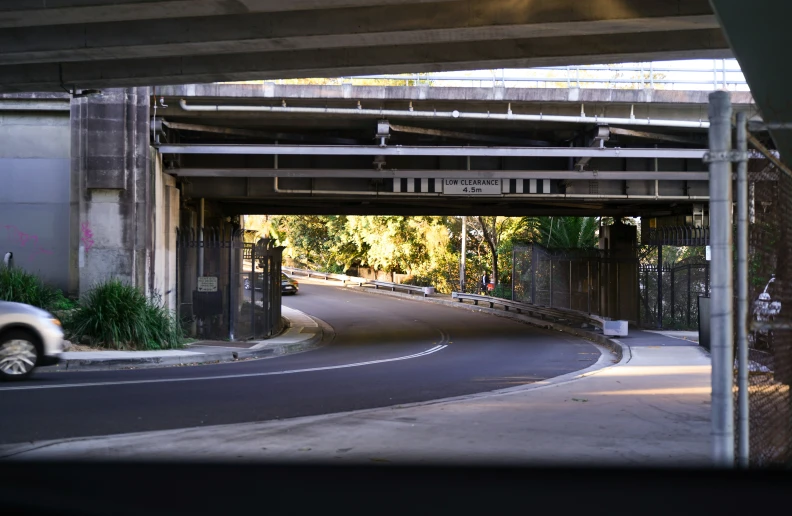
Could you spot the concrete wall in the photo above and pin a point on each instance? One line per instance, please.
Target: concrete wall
(111, 162)
(37, 208)
(166, 223)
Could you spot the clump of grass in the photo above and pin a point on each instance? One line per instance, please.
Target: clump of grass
(20, 286)
(119, 316)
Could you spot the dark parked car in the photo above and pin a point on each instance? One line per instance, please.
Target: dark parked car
(289, 285)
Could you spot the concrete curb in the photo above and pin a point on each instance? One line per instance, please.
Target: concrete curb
(272, 350)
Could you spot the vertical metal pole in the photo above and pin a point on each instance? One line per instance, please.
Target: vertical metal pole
(721, 304)
(533, 275)
(570, 284)
(660, 287)
(201, 237)
(514, 270)
(651, 74)
(742, 294)
(618, 292)
(551, 281)
(690, 272)
(233, 282)
(253, 291)
(588, 286)
(723, 68)
(463, 257)
(673, 295)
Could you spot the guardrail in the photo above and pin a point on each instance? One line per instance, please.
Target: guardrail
(720, 73)
(360, 281)
(540, 312)
(408, 288)
(326, 275)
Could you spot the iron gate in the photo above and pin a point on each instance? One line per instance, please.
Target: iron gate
(669, 296)
(228, 289)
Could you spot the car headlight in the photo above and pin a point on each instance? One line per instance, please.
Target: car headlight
(56, 322)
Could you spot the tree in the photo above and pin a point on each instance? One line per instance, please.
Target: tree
(568, 232)
(494, 230)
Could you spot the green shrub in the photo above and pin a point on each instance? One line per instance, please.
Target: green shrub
(21, 286)
(502, 290)
(116, 315)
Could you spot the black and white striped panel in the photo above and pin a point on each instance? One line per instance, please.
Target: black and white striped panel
(417, 185)
(527, 186)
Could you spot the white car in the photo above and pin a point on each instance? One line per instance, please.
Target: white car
(29, 337)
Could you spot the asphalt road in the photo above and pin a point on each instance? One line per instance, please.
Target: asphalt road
(402, 338)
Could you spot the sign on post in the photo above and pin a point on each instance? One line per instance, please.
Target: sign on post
(207, 284)
(472, 187)
(708, 253)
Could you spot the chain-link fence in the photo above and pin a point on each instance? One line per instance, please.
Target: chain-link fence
(770, 331)
(669, 296)
(565, 278)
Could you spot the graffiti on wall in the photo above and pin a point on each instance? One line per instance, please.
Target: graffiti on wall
(27, 241)
(86, 236)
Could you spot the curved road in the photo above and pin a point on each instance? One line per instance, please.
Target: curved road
(393, 347)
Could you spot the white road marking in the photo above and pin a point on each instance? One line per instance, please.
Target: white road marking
(229, 376)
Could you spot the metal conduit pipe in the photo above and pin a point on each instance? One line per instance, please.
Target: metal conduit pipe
(701, 124)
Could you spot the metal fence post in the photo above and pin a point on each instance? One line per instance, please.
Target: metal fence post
(742, 292)
(588, 286)
(514, 269)
(463, 257)
(660, 287)
(231, 284)
(690, 272)
(673, 294)
(253, 290)
(533, 275)
(721, 315)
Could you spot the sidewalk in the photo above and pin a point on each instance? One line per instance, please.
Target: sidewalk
(303, 333)
(653, 409)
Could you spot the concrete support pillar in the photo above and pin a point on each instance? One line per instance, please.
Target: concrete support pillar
(111, 161)
(620, 273)
(166, 223)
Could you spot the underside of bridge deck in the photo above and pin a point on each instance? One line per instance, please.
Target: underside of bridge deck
(72, 44)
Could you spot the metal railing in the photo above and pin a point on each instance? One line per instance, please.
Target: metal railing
(325, 275)
(678, 236)
(539, 312)
(394, 286)
(361, 281)
(714, 74)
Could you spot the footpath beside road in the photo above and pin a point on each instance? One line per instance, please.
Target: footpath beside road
(301, 334)
(647, 404)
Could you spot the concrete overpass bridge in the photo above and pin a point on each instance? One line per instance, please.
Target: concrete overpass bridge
(269, 148)
(104, 181)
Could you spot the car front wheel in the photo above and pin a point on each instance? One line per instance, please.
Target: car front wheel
(18, 355)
